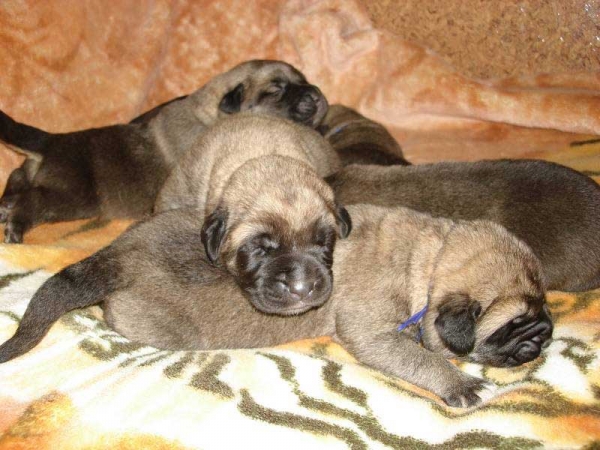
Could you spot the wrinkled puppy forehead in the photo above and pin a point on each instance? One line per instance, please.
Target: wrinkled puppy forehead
(503, 309)
(277, 183)
(263, 70)
(294, 217)
(291, 235)
(280, 69)
(279, 191)
(486, 262)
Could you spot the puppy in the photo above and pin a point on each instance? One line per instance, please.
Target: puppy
(202, 174)
(258, 180)
(476, 287)
(359, 140)
(116, 171)
(554, 209)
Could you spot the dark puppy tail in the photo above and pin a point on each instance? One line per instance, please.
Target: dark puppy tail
(26, 138)
(79, 285)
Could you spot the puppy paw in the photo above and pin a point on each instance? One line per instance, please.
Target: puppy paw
(13, 233)
(6, 206)
(469, 392)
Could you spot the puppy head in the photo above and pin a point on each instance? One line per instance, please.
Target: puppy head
(275, 231)
(487, 304)
(275, 88)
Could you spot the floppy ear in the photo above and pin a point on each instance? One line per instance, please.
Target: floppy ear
(455, 323)
(343, 220)
(213, 232)
(232, 101)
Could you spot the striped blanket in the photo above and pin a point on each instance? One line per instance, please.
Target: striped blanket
(79, 64)
(87, 387)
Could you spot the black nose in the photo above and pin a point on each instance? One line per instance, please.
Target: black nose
(301, 289)
(298, 288)
(536, 338)
(527, 351)
(307, 105)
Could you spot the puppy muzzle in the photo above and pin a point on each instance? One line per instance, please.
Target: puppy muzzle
(295, 284)
(309, 106)
(517, 342)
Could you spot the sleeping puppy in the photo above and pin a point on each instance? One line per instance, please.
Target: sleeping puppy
(259, 182)
(116, 171)
(201, 175)
(359, 140)
(554, 209)
(476, 286)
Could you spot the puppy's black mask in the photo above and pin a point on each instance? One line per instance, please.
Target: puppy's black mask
(283, 277)
(519, 341)
(295, 100)
(282, 272)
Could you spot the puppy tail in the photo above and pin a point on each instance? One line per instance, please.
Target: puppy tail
(21, 137)
(79, 285)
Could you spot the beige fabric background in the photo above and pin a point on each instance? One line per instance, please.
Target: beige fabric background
(72, 64)
(492, 39)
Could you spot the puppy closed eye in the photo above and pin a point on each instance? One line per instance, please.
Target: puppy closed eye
(275, 88)
(520, 319)
(264, 244)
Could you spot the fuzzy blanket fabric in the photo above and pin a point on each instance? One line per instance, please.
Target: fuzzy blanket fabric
(73, 65)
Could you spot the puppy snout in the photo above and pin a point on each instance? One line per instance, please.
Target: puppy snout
(298, 280)
(298, 288)
(307, 105)
(527, 351)
(310, 105)
(538, 338)
(519, 341)
(302, 289)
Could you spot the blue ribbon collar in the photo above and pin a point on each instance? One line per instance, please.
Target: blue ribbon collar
(412, 320)
(416, 318)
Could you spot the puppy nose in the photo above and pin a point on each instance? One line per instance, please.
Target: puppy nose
(307, 105)
(301, 288)
(527, 352)
(312, 94)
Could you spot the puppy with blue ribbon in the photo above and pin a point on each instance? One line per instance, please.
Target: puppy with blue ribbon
(410, 292)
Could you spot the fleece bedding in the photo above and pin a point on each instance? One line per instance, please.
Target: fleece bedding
(67, 67)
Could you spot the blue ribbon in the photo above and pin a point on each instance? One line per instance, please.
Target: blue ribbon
(415, 318)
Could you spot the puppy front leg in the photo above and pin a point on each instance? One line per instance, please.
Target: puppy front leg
(398, 355)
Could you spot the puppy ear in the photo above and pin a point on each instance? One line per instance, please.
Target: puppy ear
(213, 233)
(343, 220)
(232, 101)
(455, 323)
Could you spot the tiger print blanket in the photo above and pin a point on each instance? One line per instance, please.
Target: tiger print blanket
(79, 64)
(87, 387)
